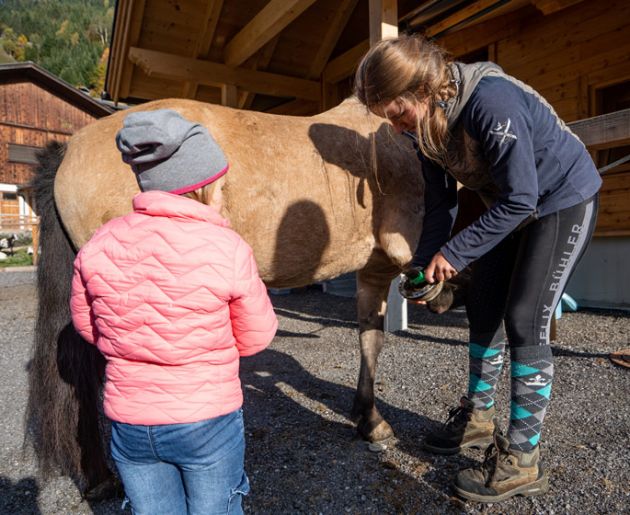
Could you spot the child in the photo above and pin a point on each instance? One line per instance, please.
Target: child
(172, 298)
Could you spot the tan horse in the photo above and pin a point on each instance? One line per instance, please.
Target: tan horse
(302, 191)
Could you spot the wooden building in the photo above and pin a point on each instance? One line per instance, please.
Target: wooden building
(35, 107)
(297, 57)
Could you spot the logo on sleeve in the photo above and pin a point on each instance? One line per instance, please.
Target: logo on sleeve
(502, 131)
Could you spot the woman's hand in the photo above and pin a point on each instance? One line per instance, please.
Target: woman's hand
(439, 269)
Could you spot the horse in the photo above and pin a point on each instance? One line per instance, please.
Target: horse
(315, 197)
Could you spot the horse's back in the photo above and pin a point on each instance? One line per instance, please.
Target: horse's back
(300, 190)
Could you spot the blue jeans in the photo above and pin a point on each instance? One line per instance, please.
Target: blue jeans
(183, 468)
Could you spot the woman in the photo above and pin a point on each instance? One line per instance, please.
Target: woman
(495, 135)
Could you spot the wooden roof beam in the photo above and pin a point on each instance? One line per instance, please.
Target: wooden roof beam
(604, 131)
(344, 65)
(295, 108)
(462, 16)
(171, 66)
(265, 26)
(131, 37)
(261, 62)
(335, 28)
(203, 44)
(552, 6)
(383, 23)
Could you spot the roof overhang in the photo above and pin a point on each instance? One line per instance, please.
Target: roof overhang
(29, 71)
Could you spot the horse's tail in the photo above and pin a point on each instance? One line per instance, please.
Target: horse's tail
(65, 373)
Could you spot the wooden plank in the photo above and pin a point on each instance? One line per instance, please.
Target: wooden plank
(555, 70)
(169, 66)
(551, 6)
(540, 36)
(119, 48)
(605, 131)
(327, 45)
(156, 89)
(209, 94)
(383, 20)
(345, 65)
(614, 209)
(205, 43)
(330, 96)
(211, 18)
(259, 63)
(614, 233)
(133, 34)
(460, 16)
(615, 182)
(295, 107)
(265, 26)
(466, 40)
(229, 95)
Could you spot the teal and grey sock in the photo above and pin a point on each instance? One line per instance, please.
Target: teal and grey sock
(485, 362)
(532, 375)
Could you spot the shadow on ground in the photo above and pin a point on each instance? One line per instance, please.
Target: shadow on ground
(299, 439)
(20, 496)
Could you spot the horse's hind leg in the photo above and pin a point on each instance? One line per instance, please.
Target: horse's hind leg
(372, 288)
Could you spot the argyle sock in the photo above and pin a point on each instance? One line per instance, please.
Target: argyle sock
(532, 375)
(485, 361)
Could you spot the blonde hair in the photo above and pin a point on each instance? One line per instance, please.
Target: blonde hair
(203, 194)
(414, 69)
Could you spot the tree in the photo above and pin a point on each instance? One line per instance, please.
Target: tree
(67, 37)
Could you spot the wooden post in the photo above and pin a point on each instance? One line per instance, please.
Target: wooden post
(384, 24)
(35, 238)
(229, 95)
(383, 20)
(329, 95)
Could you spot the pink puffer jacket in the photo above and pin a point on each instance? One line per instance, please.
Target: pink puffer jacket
(171, 297)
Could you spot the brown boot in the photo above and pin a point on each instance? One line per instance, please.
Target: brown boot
(465, 427)
(504, 473)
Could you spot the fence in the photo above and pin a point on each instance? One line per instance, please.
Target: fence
(14, 223)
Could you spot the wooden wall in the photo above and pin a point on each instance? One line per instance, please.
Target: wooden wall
(570, 56)
(31, 115)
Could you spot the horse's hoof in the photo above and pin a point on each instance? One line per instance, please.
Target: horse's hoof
(382, 431)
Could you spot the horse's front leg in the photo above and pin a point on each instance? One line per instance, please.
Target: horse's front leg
(372, 289)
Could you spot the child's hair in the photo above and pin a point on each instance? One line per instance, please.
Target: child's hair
(414, 69)
(203, 194)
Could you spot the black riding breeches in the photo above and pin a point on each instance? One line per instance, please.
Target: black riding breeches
(522, 279)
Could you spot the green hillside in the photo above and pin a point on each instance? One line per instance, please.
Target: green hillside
(4, 57)
(69, 38)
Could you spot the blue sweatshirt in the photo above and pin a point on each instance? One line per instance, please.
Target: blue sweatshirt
(509, 145)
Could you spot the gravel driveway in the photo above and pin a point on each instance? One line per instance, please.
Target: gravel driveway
(302, 454)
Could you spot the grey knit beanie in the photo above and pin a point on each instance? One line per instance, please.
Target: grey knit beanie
(168, 152)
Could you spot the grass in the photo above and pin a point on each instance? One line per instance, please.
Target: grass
(19, 258)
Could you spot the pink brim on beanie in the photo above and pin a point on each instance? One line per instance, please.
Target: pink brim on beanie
(193, 187)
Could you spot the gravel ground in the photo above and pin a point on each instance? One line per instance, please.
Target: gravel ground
(302, 454)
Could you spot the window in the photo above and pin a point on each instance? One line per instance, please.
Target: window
(23, 154)
(608, 100)
(614, 209)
